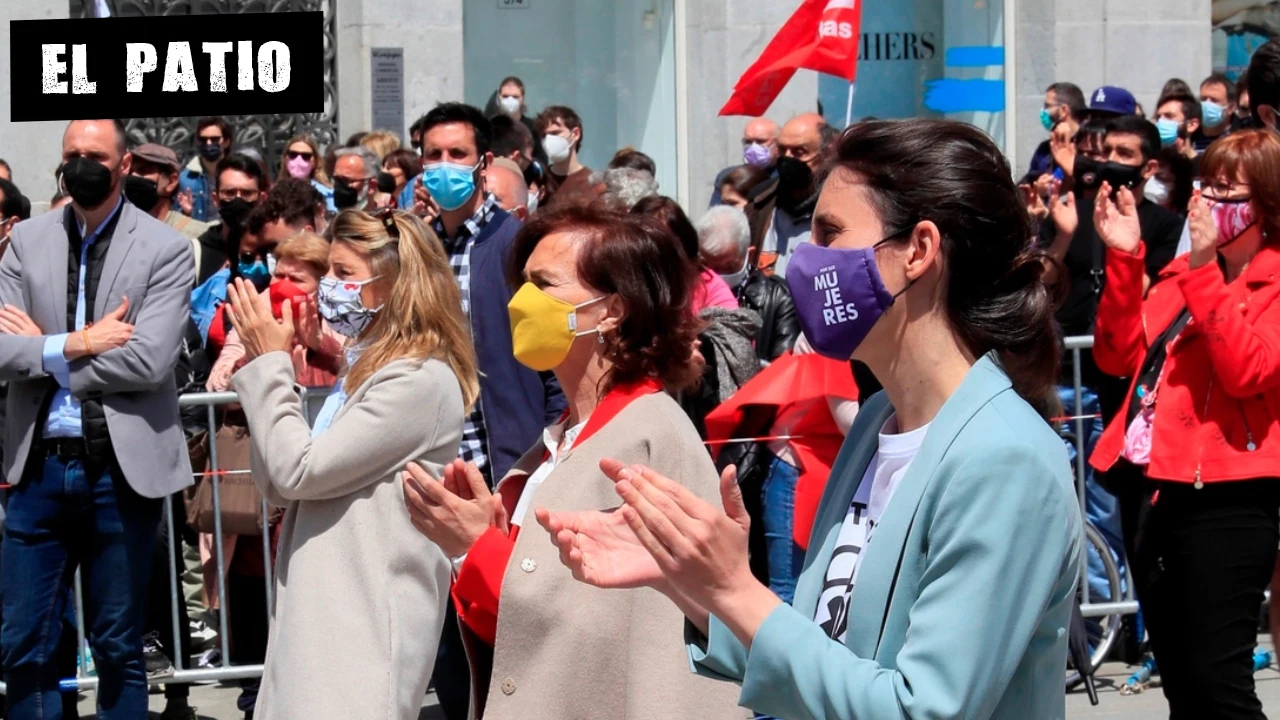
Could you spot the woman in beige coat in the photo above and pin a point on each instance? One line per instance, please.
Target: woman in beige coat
(605, 304)
(359, 593)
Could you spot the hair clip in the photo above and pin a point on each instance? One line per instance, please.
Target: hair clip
(388, 217)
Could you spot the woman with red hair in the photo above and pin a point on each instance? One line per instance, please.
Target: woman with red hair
(1195, 453)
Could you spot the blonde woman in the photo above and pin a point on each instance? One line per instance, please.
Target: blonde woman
(360, 594)
(381, 142)
(301, 160)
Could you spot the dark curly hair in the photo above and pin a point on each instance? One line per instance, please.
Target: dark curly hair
(641, 262)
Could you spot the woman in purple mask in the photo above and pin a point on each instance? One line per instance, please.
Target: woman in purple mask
(942, 567)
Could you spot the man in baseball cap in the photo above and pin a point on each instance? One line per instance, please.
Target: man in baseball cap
(1109, 101)
(151, 184)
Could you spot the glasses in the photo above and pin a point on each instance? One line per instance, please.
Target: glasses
(229, 194)
(388, 217)
(207, 140)
(295, 154)
(260, 253)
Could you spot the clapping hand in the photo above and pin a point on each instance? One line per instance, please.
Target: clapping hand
(1034, 202)
(1062, 208)
(308, 330)
(455, 512)
(1204, 233)
(186, 202)
(1117, 221)
(250, 313)
(1062, 147)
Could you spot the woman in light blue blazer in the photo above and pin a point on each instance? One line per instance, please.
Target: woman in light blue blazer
(942, 568)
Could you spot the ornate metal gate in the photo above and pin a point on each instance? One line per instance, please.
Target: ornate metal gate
(267, 133)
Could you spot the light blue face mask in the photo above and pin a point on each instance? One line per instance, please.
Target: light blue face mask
(451, 185)
(1168, 131)
(1212, 113)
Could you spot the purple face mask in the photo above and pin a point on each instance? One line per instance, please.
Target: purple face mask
(757, 155)
(839, 296)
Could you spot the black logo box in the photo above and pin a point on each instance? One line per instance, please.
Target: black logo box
(105, 63)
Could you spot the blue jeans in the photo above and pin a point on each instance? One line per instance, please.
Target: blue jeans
(1100, 507)
(786, 558)
(59, 518)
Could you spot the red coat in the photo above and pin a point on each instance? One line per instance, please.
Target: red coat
(1220, 394)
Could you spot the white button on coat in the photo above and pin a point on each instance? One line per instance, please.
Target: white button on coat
(528, 565)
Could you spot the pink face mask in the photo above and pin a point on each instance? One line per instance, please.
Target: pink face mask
(299, 168)
(1232, 218)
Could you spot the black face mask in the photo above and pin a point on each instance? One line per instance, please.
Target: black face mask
(234, 214)
(88, 182)
(386, 182)
(141, 192)
(1119, 175)
(795, 184)
(344, 197)
(210, 151)
(1086, 173)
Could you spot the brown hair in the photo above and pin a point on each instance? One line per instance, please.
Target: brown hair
(1253, 155)
(745, 178)
(996, 297)
(307, 248)
(422, 317)
(566, 116)
(671, 216)
(641, 262)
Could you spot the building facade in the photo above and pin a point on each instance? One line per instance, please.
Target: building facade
(652, 74)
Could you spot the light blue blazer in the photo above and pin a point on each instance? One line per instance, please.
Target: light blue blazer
(964, 595)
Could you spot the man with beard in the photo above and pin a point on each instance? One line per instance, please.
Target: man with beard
(782, 211)
(94, 298)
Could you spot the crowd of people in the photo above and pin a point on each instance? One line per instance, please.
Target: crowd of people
(579, 439)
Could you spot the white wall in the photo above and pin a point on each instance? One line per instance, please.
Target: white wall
(1134, 44)
(32, 149)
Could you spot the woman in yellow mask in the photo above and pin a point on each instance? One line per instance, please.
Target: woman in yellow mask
(604, 304)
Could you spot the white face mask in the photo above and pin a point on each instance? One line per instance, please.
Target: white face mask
(733, 280)
(532, 204)
(1156, 191)
(558, 149)
(509, 104)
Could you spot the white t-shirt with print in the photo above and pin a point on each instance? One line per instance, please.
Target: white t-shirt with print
(893, 456)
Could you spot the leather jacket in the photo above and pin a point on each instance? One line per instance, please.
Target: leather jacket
(771, 299)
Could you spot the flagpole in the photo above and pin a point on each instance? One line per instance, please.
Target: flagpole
(848, 110)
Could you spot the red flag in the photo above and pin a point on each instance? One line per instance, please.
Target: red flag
(821, 35)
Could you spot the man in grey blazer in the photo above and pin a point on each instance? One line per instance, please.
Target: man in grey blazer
(95, 298)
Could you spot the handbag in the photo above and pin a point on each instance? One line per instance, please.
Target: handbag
(241, 502)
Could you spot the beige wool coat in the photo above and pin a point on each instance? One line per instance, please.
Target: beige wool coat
(568, 651)
(359, 593)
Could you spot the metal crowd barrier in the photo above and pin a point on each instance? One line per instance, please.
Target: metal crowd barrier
(227, 671)
(312, 398)
(1127, 606)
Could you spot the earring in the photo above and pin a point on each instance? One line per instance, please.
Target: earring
(599, 338)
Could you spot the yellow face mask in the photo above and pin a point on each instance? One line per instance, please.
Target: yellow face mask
(543, 328)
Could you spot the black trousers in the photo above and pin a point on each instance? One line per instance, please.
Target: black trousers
(1201, 560)
(160, 599)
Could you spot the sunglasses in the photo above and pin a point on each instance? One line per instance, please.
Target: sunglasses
(295, 154)
(205, 140)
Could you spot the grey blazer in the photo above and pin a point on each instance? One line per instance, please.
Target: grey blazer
(148, 262)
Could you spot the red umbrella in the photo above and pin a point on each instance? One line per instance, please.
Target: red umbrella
(791, 381)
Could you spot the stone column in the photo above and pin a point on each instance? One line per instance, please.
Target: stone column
(1134, 44)
(431, 35)
(725, 37)
(32, 149)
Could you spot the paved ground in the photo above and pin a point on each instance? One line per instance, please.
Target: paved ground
(219, 703)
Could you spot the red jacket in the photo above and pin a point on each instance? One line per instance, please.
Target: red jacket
(1220, 393)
